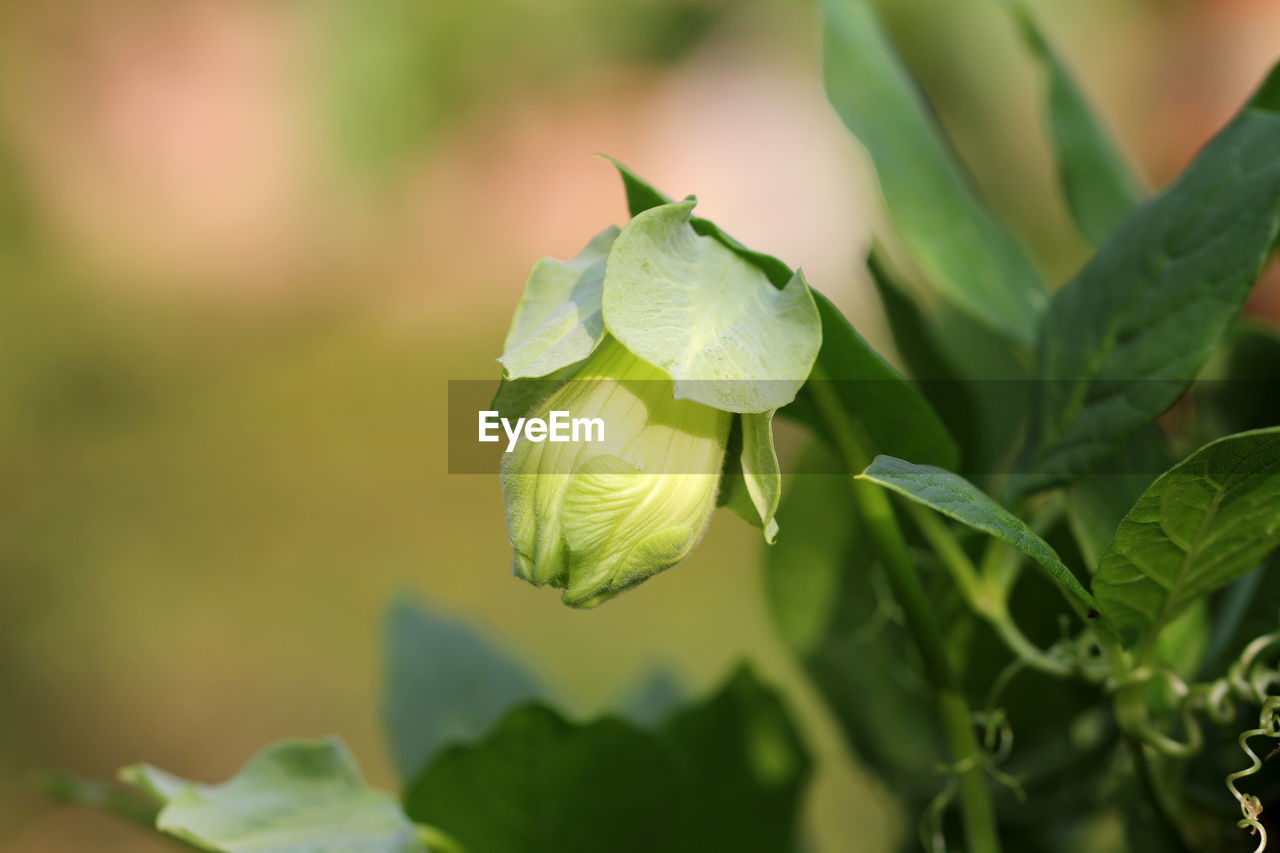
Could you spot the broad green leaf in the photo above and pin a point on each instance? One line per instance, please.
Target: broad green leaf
(729, 770)
(705, 316)
(954, 496)
(1127, 335)
(1207, 521)
(1100, 188)
(829, 611)
(558, 320)
(887, 408)
(743, 767)
(540, 782)
(1182, 644)
(445, 683)
(293, 797)
(967, 256)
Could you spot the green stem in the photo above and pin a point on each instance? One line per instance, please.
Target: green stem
(985, 593)
(948, 549)
(886, 535)
(1025, 650)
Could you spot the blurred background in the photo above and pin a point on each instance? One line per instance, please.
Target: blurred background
(243, 245)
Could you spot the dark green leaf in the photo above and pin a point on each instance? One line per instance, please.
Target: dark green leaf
(293, 797)
(445, 683)
(744, 768)
(540, 782)
(1207, 521)
(641, 195)
(725, 773)
(966, 255)
(954, 496)
(1100, 188)
(971, 376)
(888, 409)
(1124, 338)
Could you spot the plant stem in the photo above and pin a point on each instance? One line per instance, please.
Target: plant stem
(957, 720)
(986, 594)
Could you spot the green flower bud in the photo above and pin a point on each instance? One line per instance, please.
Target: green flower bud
(596, 518)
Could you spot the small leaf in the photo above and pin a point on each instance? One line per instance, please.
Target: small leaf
(293, 797)
(1207, 521)
(967, 256)
(641, 195)
(760, 472)
(558, 320)
(1100, 188)
(954, 496)
(888, 408)
(751, 482)
(705, 316)
(445, 683)
(1130, 332)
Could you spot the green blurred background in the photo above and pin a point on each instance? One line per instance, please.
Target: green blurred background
(244, 245)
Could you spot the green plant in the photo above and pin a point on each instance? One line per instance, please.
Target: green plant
(1128, 662)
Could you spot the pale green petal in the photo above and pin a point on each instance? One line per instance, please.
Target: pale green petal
(558, 321)
(707, 317)
(599, 517)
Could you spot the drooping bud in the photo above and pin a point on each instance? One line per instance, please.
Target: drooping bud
(666, 306)
(597, 517)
